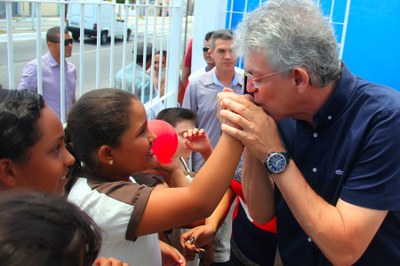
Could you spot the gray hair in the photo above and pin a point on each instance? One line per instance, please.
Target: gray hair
(291, 34)
(223, 34)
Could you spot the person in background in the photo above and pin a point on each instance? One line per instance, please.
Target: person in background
(51, 72)
(210, 63)
(321, 143)
(141, 80)
(160, 59)
(187, 71)
(32, 151)
(201, 97)
(187, 66)
(189, 139)
(251, 243)
(108, 134)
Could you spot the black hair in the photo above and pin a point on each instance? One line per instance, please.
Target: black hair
(42, 230)
(174, 115)
(51, 35)
(208, 35)
(20, 111)
(164, 53)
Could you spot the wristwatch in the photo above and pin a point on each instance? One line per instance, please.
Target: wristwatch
(276, 162)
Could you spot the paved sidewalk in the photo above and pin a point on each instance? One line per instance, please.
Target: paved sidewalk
(25, 28)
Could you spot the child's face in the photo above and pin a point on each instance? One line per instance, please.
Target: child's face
(49, 160)
(157, 59)
(180, 128)
(134, 153)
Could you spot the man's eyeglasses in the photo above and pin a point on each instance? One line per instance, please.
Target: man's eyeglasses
(206, 49)
(256, 81)
(66, 42)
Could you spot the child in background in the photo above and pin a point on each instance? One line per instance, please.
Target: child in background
(107, 132)
(190, 139)
(160, 63)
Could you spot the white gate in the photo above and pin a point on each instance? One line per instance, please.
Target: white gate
(156, 22)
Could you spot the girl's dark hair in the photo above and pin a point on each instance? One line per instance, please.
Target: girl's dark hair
(42, 230)
(19, 115)
(98, 118)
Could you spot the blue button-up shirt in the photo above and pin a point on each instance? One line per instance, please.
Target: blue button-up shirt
(352, 153)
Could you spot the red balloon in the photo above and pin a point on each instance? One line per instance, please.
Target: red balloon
(164, 147)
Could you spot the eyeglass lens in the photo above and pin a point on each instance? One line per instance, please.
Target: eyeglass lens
(206, 49)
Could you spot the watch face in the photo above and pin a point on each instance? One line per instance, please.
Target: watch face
(276, 162)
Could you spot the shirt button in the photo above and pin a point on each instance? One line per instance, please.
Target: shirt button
(314, 170)
(309, 239)
(329, 117)
(315, 135)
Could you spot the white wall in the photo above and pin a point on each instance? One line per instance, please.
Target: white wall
(208, 15)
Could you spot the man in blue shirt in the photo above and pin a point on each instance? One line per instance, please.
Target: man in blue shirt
(321, 143)
(200, 95)
(136, 77)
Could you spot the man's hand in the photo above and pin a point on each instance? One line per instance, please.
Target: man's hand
(249, 123)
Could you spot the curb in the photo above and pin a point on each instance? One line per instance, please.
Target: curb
(20, 36)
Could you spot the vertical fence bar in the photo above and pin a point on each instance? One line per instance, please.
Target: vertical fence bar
(124, 47)
(10, 50)
(111, 79)
(98, 44)
(39, 48)
(62, 64)
(175, 33)
(81, 49)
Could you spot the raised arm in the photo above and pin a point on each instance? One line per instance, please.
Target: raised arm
(342, 231)
(174, 207)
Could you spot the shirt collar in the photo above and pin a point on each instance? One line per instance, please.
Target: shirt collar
(52, 61)
(337, 102)
(216, 81)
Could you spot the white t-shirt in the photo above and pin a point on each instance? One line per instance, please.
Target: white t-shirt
(117, 207)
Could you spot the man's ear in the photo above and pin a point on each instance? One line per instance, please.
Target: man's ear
(7, 173)
(301, 78)
(105, 155)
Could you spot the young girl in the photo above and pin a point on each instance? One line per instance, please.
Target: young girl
(33, 157)
(32, 151)
(107, 132)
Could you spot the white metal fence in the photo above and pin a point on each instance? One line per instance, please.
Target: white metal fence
(157, 22)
